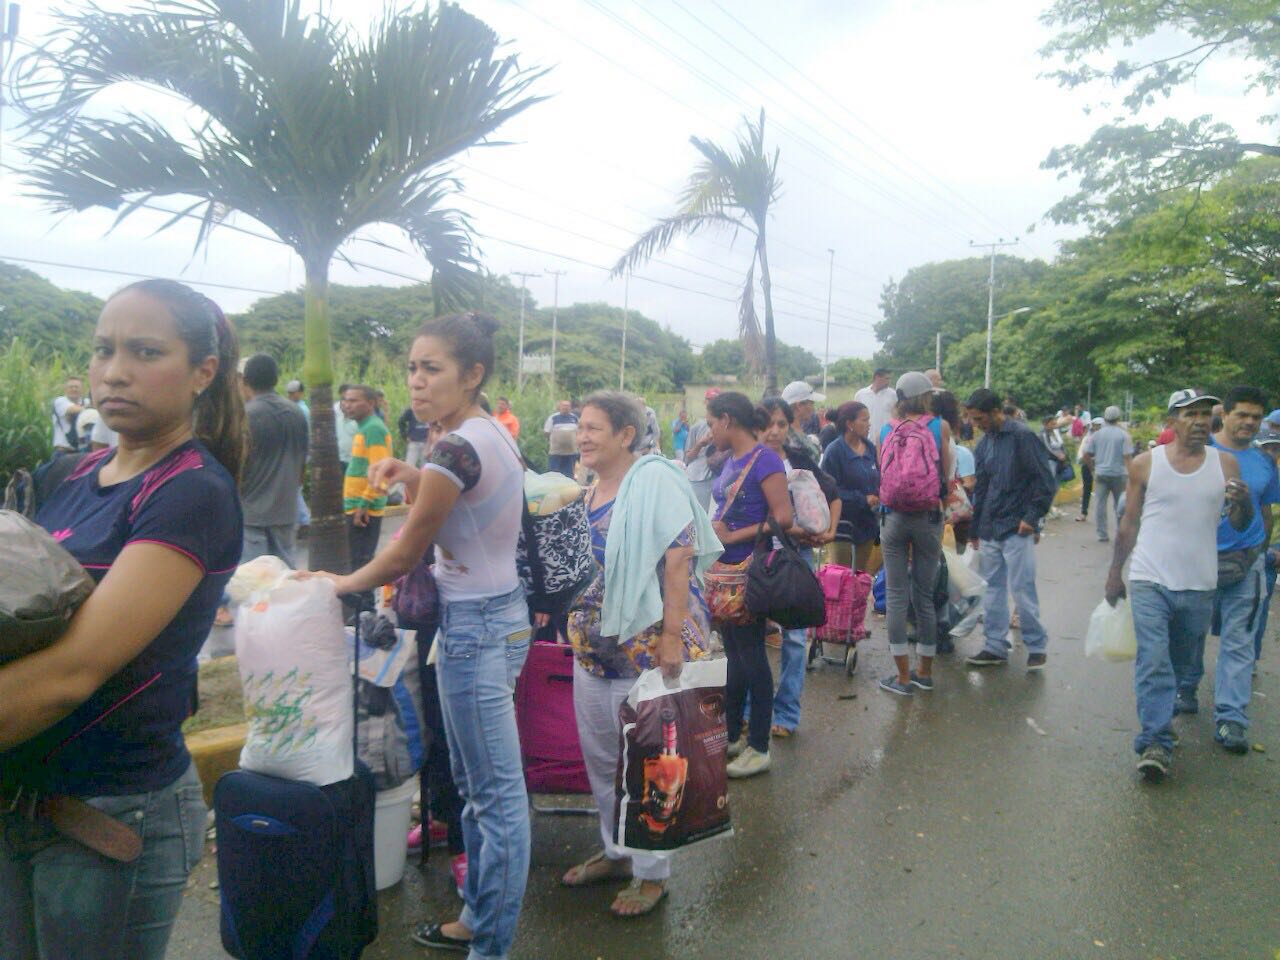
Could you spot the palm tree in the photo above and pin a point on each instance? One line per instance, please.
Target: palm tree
(734, 192)
(304, 126)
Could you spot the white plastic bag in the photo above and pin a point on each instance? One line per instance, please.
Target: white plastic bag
(962, 578)
(1111, 635)
(812, 512)
(296, 677)
(255, 579)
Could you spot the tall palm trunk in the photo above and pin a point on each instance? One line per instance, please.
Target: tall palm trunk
(327, 541)
(770, 344)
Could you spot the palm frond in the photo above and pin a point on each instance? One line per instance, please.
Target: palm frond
(306, 129)
(662, 234)
(749, 323)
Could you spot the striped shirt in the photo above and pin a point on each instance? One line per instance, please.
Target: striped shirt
(372, 442)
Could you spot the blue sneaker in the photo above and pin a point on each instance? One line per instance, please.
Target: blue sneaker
(892, 685)
(1231, 735)
(924, 683)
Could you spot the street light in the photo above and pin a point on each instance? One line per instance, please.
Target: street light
(986, 381)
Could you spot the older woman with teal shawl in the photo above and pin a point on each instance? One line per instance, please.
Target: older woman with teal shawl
(651, 542)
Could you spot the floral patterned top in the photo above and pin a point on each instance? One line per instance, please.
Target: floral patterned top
(608, 657)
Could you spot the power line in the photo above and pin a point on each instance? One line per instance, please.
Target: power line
(696, 72)
(138, 276)
(905, 155)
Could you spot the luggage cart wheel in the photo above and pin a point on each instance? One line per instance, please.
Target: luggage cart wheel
(850, 660)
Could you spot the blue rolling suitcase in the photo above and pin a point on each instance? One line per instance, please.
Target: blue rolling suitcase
(295, 866)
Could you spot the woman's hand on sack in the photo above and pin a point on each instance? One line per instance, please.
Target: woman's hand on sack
(671, 652)
(339, 582)
(389, 471)
(873, 501)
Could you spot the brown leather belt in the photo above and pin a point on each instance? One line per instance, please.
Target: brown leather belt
(74, 819)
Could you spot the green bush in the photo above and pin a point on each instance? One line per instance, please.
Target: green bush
(27, 389)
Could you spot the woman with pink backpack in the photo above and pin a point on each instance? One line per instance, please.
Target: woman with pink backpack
(915, 460)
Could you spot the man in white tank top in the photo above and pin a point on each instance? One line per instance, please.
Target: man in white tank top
(1174, 499)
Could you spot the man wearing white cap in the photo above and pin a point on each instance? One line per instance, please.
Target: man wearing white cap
(1110, 450)
(1173, 502)
(802, 398)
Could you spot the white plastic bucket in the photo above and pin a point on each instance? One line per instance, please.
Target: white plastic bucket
(392, 812)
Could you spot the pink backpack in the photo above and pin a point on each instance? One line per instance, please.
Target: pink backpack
(910, 478)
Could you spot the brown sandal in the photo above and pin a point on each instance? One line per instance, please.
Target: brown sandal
(596, 869)
(633, 894)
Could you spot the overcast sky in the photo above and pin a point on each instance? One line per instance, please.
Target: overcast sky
(907, 129)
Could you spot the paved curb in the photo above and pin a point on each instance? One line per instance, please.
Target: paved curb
(215, 752)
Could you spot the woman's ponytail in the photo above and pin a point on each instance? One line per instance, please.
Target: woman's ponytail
(218, 413)
(219, 410)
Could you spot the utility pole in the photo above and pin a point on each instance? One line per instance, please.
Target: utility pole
(626, 301)
(555, 321)
(991, 295)
(520, 350)
(937, 352)
(826, 357)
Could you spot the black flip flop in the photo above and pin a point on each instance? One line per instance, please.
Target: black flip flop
(431, 935)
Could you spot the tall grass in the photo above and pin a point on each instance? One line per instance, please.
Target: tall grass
(27, 389)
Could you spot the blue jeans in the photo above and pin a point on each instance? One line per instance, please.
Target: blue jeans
(1269, 582)
(1169, 624)
(1236, 610)
(304, 515)
(483, 646)
(61, 900)
(1010, 566)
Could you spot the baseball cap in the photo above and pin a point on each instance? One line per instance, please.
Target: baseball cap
(1273, 417)
(914, 384)
(293, 386)
(1185, 398)
(1097, 421)
(1111, 414)
(797, 391)
(1267, 437)
(711, 394)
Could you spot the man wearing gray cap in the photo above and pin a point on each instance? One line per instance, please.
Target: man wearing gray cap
(1108, 456)
(1173, 504)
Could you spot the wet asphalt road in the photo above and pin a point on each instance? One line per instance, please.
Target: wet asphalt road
(998, 817)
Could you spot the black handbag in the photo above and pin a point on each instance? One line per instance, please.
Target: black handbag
(780, 585)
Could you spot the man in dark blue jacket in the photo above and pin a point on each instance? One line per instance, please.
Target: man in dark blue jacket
(1014, 491)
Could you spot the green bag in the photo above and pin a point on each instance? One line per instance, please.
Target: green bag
(41, 586)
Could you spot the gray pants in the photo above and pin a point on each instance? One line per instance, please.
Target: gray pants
(1104, 489)
(916, 537)
(275, 541)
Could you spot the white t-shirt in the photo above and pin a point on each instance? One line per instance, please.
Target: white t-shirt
(62, 427)
(90, 427)
(881, 406)
(476, 545)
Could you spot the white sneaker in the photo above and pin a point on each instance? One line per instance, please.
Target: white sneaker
(737, 747)
(749, 763)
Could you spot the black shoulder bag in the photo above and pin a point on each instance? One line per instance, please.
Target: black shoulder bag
(780, 585)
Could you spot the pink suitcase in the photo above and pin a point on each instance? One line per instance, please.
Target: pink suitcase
(548, 728)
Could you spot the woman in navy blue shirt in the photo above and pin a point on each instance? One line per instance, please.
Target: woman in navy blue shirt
(91, 726)
(851, 461)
